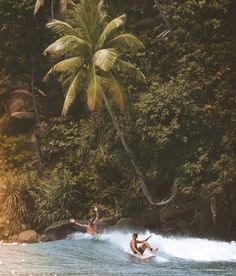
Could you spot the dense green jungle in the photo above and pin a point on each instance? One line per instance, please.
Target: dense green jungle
(126, 104)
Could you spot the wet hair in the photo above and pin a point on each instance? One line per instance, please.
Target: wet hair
(135, 235)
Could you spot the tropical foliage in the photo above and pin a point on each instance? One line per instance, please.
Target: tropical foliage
(56, 198)
(181, 123)
(16, 152)
(16, 199)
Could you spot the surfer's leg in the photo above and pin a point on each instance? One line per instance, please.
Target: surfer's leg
(145, 245)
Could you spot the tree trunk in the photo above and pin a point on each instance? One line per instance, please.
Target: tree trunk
(130, 155)
(36, 120)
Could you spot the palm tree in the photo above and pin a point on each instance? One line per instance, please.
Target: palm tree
(93, 47)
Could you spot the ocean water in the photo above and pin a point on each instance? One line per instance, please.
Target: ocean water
(109, 254)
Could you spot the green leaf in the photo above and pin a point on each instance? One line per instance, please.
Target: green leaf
(72, 93)
(66, 45)
(61, 28)
(105, 58)
(117, 90)
(67, 65)
(110, 27)
(125, 42)
(94, 90)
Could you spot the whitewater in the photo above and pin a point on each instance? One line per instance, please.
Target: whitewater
(109, 254)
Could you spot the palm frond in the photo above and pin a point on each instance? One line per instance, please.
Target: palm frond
(77, 18)
(105, 58)
(38, 5)
(94, 90)
(80, 29)
(90, 9)
(128, 67)
(125, 42)
(67, 65)
(61, 28)
(65, 45)
(72, 93)
(103, 19)
(114, 85)
(111, 26)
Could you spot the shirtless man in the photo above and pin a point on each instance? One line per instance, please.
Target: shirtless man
(144, 244)
(91, 227)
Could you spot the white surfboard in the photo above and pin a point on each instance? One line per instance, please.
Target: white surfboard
(144, 257)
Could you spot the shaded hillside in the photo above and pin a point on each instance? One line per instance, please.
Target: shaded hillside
(180, 124)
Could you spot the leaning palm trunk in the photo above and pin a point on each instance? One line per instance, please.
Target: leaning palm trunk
(130, 155)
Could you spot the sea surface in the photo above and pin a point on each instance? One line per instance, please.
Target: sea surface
(109, 254)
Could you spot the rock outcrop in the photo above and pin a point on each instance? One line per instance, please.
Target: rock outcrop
(28, 236)
(211, 214)
(59, 230)
(16, 113)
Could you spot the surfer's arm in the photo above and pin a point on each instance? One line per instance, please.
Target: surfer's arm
(137, 241)
(143, 240)
(97, 214)
(148, 238)
(77, 223)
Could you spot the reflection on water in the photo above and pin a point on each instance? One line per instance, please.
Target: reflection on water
(109, 254)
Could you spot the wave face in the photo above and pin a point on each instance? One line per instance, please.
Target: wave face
(109, 254)
(192, 249)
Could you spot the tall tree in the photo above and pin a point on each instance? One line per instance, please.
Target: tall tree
(93, 47)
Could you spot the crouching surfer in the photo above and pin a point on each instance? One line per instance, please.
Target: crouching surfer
(139, 250)
(90, 227)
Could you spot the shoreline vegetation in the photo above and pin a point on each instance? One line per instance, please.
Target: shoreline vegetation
(127, 105)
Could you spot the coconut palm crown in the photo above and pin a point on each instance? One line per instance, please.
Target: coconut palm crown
(92, 46)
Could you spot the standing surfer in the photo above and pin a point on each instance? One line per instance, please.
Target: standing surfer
(90, 227)
(143, 245)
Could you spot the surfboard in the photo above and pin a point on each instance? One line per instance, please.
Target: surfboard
(146, 257)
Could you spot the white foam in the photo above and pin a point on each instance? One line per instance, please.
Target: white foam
(196, 249)
(79, 236)
(193, 249)
(185, 248)
(122, 241)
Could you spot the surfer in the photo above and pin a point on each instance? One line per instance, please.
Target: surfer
(90, 227)
(143, 245)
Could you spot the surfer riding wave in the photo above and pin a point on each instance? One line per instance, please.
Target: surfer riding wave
(143, 245)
